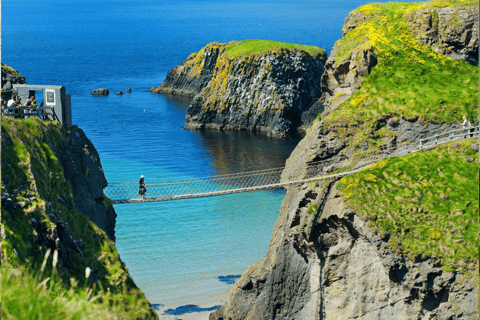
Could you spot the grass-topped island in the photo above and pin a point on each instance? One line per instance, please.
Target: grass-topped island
(253, 85)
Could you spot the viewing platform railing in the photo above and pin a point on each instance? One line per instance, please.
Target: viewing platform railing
(22, 112)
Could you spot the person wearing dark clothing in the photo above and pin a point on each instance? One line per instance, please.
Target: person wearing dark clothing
(142, 190)
(471, 125)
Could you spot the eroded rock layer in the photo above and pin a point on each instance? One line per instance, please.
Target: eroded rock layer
(449, 31)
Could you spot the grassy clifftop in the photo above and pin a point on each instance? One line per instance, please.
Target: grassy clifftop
(248, 47)
(8, 69)
(47, 245)
(427, 203)
(410, 80)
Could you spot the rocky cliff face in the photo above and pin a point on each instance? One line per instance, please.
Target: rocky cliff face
(9, 78)
(192, 75)
(320, 144)
(82, 168)
(326, 263)
(81, 165)
(52, 202)
(450, 31)
(265, 92)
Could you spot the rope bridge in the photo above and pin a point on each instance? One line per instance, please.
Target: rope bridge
(165, 190)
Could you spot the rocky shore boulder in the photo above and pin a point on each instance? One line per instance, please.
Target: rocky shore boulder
(101, 92)
(452, 31)
(240, 87)
(9, 78)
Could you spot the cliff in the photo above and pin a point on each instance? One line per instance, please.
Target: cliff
(449, 30)
(9, 78)
(255, 85)
(334, 255)
(53, 205)
(396, 241)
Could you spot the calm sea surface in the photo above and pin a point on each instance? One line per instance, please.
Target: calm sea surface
(174, 250)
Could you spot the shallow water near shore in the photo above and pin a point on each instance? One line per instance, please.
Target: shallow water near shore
(176, 250)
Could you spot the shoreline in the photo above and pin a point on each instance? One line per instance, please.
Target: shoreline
(188, 311)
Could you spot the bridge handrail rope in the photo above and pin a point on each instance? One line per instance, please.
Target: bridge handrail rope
(228, 175)
(463, 133)
(127, 192)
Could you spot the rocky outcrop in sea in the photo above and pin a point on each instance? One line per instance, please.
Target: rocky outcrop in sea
(100, 92)
(265, 92)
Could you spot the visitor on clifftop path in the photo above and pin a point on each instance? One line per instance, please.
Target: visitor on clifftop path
(142, 190)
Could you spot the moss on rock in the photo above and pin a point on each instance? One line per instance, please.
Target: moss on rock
(39, 216)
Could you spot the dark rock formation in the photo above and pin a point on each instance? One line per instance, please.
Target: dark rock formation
(119, 93)
(265, 93)
(450, 31)
(9, 78)
(101, 92)
(82, 168)
(330, 265)
(192, 75)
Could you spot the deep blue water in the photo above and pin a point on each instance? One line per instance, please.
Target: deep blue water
(176, 251)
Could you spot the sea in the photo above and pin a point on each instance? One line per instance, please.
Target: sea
(184, 254)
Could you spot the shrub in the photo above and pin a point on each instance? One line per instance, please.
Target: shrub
(312, 209)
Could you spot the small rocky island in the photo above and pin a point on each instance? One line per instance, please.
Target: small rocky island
(252, 85)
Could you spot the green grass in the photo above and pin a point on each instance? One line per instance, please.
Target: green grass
(254, 47)
(427, 202)
(30, 168)
(25, 296)
(410, 81)
(8, 69)
(312, 209)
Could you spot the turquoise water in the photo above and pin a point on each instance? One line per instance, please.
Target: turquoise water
(176, 250)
